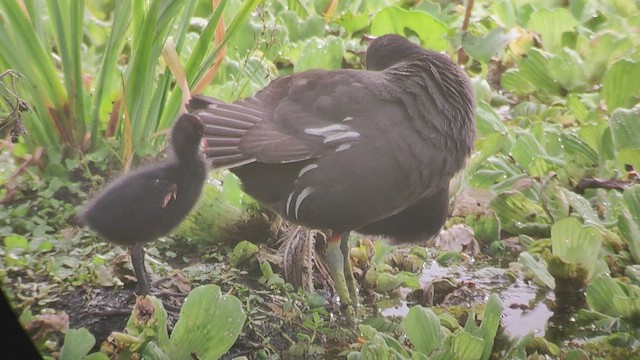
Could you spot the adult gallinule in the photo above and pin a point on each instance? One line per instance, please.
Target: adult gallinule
(147, 203)
(371, 151)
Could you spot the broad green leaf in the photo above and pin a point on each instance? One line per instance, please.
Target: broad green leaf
(353, 22)
(242, 252)
(487, 146)
(152, 351)
(625, 132)
(567, 68)
(77, 344)
(576, 244)
(581, 206)
(378, 346)
(599, 51)
(619, 85)
(629, 221)
(577, 107)
(505, 10)
(540, 273)
(532, 75)
(467, 346)
(16, 242)
(551, 24)
(321, 53)
(483, 48)
(599, 320)
(486, 229)
(488, 121)
(555, 201)
(606, 295)
(485, 178)
(300, 29)
(490, 324)
(394, 20)
(516, 211)
(96, 356)
(215, 215)
(423, 329)
(143, 326)
(208, 326)
(529, 154)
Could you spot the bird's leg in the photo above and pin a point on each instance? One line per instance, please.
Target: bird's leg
(336, 264)
(348, 270)
(137, 258)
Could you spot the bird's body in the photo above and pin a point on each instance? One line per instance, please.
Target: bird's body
(151, 201)
(371, 151)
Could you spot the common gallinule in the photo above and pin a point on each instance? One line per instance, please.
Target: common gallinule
(147, 203)
(371, 151)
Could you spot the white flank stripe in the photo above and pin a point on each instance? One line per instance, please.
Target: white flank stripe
(343, 147)
(307, 168)
(327, 130)
(306, 192)
(340, 136)
(333, 132)
(286, 210)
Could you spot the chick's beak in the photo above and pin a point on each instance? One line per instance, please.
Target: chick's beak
(173, 192)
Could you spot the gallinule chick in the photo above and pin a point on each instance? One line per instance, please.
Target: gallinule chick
(371, 151)
(147, 203)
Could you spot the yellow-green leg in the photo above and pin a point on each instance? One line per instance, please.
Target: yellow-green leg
(340, 269)
(335, 262)
(348, 270)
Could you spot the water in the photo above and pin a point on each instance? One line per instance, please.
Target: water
(527, 307)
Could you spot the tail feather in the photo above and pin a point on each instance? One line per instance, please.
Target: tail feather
(224, 126)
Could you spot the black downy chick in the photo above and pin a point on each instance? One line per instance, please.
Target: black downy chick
(151, 201)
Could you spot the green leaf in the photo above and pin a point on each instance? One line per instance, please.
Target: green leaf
(529, 154)
(467, 346)
(208, 326)
(551, 24)
(77, 344)
(576, 244)
(300, 29)
(488, 121)
(606, 295)
(483, 48)
(577, 147)
(394, 20)
(516, 212)
(423, 329)
(619, 85)
(629, 221)
(486, 229)
(242, 252)
(581, 206)
(490, 324)
(625, 131)
(353, 22)
(532, 75)
(16, 242)
(568, 69)
(321, 53)
(539, 270)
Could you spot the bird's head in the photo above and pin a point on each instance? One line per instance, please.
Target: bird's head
(388, 50)
(187, 134)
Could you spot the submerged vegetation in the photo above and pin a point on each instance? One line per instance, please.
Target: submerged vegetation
(549, 202)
